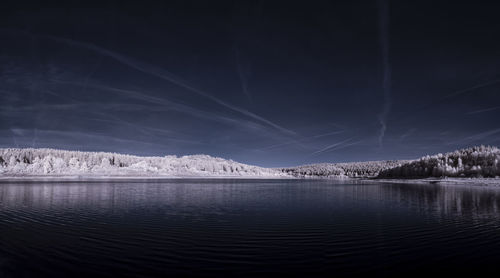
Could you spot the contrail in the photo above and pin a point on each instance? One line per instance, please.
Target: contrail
(442, 100)
(150, 132)
(165, 103)
(384, 46)
(96, 136)
(302, 140)
(461, 92)
(171, 105)
(483, 110)
(476, 137)
(344, 146)
(242, 74)
(470, 89)
(165, 75)
(407, 134)
(331, 146)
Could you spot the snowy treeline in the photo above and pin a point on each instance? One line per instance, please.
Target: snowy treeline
(368, 168)
(314, 170)
(471, 162)
(342, 170)
(22, 162)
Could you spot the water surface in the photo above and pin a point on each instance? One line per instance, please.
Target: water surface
(246, 228)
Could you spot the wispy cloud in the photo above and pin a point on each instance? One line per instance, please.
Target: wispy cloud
(471, 89)
(331, 147)
(483, 110)
(384, 45)
(165, 103)
(475, 138)
(49, 136)
(243, 74)
(304, 139)
(442, 100)
(154, 71)
(165, 75)
(407, 134)
(142, 102)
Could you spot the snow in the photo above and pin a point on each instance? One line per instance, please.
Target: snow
(474, 162)
(365, 169)
(51, 162)
(444, 181)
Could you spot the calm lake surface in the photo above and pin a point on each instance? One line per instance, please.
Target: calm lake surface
(245, 228)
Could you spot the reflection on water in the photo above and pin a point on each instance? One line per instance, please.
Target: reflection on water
(473, 201)
(245, 228)
(442, 199)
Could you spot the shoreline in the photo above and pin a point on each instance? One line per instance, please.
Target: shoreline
(445, 181)
(103, 178)
(63, 178)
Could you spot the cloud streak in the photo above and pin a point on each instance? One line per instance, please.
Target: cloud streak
(331, 147)
(165, 75)
(302, 140)
(473, 88)
(78, 136)
(483, 110)
(174, 106)
(242, 74)
(384, 46)
(477, 137)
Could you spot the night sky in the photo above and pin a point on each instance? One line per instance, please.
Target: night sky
(271, 83)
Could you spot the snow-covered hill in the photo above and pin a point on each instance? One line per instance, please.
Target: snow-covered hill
(471, 162)
(342, 170)
(51, 162)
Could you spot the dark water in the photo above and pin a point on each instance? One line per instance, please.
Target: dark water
(246, 228)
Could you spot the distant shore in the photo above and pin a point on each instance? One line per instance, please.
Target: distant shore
(127, 178)
(465, 165)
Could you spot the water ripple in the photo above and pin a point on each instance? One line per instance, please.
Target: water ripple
(244, 228)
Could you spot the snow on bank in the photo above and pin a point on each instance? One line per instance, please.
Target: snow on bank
(443, 181)
(475, 162)
(51, 162)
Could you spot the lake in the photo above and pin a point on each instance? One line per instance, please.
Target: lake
(246, 228)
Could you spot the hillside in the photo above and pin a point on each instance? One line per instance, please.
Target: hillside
(472, 162)
(51, 162)
(365, 169)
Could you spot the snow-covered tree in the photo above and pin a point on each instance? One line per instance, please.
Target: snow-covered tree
(59, 162)
(342, 170)
(482, 161)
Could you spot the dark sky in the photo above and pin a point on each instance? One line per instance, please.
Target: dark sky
(271, 83)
